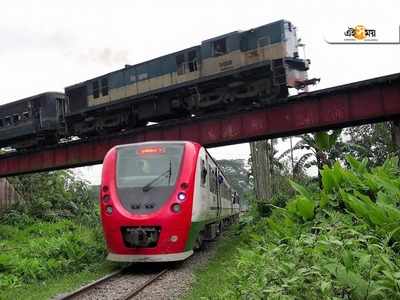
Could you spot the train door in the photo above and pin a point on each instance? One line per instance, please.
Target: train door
(60, 107)
(36, 114)
(187, 65)
(214, 205)
(219, 200)
(221, 54)
(220, 183)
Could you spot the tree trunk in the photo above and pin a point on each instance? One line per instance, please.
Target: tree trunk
(395, 126)
(8, 195)
(261, 167)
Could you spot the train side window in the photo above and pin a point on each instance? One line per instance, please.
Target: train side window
(104, 86)
(96, 90)
(25, 115)
(1, 123)
(203, 173)
(213, 180)
(7, 121)
(180, 64)
(210, 178)
(219, 47)
(16, 118)
(192, 56)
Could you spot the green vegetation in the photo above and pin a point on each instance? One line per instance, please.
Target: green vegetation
(46, 289)
(341, 241)
(42, 250)
(51, 239)
(211, 278)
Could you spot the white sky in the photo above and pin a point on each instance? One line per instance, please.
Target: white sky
(47, 45)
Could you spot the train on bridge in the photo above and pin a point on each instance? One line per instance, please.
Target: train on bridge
(228, 72)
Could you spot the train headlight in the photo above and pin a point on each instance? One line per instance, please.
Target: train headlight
(109, 209)
(106, 198)
(105, 189)
(181, 196)
(176, 207)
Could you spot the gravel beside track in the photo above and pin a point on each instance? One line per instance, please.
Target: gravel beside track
(173, 284)
(178, 280)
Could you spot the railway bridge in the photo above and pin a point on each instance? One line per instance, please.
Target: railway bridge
(352, 104)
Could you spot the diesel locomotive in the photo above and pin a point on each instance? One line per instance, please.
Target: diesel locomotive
(227, 72)
(161, 200)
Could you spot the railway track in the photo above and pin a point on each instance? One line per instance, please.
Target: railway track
(119, 285)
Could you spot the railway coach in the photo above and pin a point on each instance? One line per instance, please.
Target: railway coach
(160, 200)
(32, 121)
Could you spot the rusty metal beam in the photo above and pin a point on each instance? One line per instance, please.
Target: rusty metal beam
(352, 104)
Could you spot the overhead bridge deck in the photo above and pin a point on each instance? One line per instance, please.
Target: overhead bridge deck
(361, 102)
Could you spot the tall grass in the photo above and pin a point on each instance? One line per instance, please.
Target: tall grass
(341, 242)
(42, 250)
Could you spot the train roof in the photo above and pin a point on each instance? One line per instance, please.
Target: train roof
(128, 66)
(156, 142)
(56, 94)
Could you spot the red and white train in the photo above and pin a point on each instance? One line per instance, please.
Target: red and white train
(161, 200)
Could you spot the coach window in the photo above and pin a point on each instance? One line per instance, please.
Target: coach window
(16, 118)
(203, 173)
(180, 64)
(1, 123)
(25, 116)
(219, 47)
(192, 56)
(8, 121)
(213, 180)
(104, 87)
(96, 91)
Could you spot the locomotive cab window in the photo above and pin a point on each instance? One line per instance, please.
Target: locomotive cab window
(219, 47)
(148, 167)
(96, 90)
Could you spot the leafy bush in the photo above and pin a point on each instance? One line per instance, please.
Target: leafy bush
(339, 242)
(53, 196)
(56, 230)
(44, 250)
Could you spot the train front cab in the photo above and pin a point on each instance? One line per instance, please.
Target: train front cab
(146, 201)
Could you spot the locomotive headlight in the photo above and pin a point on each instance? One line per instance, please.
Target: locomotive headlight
(106, 198)
(176, 207)
(109, 209)
(181, 196)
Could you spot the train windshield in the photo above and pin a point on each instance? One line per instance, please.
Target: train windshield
(148, 166)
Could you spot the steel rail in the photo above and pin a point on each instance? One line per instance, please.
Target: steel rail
(144, 285)
(90, 285)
